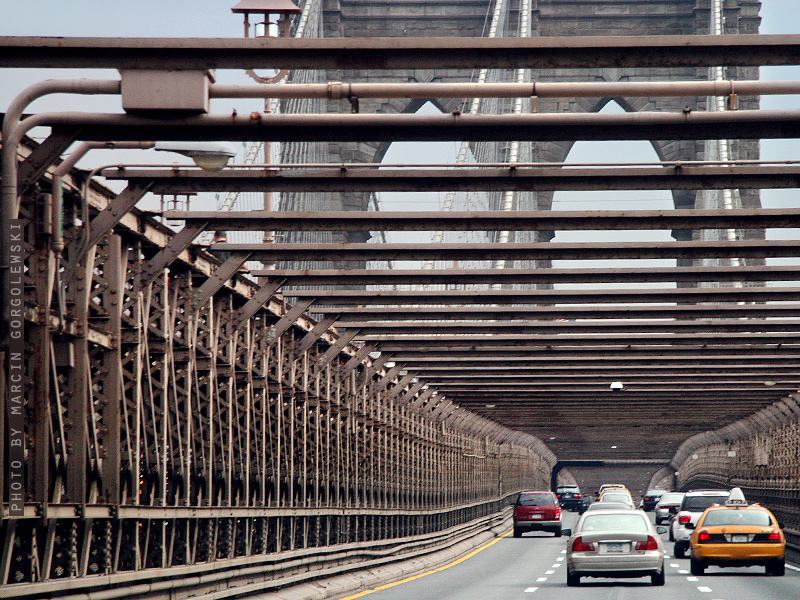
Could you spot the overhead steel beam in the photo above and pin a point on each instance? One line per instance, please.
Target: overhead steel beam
(462, 276)
(548, 297)
(374, 315)
(391, 344)
(614, 220)
(427, 328)
(744, 124)
(519, 251)
(346, 178)
(542, 52)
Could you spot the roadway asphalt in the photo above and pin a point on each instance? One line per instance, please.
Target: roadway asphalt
(532, 568)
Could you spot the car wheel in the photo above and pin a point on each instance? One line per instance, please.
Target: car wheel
(658, 578)
(517, 532)
(777, 567)
(671, 535)
(573, 579)
(557, 532)
(697, 567)
(679, 551)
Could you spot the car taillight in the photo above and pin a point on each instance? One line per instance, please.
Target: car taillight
(580, 546)
(558, 495)
(650, 544)
(684, 519)
(577, 496)
(774, 536)
(703, 537)
(557, 513)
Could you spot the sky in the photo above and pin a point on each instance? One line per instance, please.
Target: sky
(212, 18)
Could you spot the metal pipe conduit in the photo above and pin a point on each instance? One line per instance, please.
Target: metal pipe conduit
(336, 90)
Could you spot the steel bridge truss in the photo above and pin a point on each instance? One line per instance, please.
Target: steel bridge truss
(190, 431)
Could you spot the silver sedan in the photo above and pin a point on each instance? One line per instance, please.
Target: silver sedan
(615, 543)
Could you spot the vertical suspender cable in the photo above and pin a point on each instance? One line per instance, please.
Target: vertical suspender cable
(474, 107)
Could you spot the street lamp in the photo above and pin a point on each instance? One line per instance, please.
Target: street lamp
(282, 8)
(209, 156)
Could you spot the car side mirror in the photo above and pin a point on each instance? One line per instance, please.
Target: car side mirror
(567, 532)
(673, 510)
(689, 525)
(662, 530)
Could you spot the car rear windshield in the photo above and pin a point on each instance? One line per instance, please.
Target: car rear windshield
(536, 500)
(612, 497)
(568, 488)
(614, 522)
(700, 503)
(737, 517)
(670, 498)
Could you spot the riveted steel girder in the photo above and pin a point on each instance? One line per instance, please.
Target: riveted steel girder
(400, 52)
(491, 220)
(321, 178)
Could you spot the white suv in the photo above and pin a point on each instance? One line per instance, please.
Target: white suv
(694, 503)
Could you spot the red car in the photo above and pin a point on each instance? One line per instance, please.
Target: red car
(537, 511)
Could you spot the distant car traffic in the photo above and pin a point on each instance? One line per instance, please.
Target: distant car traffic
(615, 543)
(651, 498)
(694, 504)
(570, 497)
(670, 500)
(737, 535)
(537, 511)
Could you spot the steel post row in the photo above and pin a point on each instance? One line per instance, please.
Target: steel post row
(177, 430)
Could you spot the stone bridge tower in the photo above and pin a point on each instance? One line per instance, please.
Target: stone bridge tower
(420, 18)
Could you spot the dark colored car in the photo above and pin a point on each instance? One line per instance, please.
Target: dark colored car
(570, 497)
(651, 498)
(537, 511)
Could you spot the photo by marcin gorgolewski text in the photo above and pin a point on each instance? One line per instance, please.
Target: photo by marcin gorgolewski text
(16, 368)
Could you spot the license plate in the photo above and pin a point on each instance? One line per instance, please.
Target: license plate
(615, 547)
(536, 517)
(739, 538)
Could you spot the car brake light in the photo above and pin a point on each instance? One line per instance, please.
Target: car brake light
(684, 519)
(774, 536)
(650, 544)
(557, 513)
(703, 536)
(577, 496)
(580, 546)
(558, 495)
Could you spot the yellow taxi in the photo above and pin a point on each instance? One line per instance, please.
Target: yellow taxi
(737, 534)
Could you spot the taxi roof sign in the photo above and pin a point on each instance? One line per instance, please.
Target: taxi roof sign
(736, 498)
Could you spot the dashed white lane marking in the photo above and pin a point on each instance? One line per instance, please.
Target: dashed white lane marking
(675, 565)
(550, 572)
(692, 579)
(531, 589)
(683, 572)
(793, 568)
(560, 558)
(541, 579)
(556, 565)
(703, 588)
(563, 552)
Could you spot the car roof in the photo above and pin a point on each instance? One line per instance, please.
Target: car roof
(610, 505)
(707, 492)
(535, 492)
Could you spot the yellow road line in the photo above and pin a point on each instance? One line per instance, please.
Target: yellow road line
(442, 568)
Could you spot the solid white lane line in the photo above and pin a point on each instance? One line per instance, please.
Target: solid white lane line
(793, 568)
